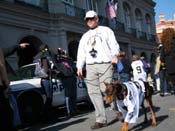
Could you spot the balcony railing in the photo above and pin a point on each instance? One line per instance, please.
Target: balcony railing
(151, 37)
(120, 26)
(141, 35)
(132, 31)
(116, 25)
(43, 6)
(71, 10)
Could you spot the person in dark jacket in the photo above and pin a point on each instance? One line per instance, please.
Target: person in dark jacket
(69, 81)
(125, 73)
(6, 112)
(168, 53)
(160, 71)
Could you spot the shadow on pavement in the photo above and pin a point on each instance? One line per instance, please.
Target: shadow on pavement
(60, 126)
(113, 121)
(60, 120)
(142, 126)
(156, 109)
(54, 126)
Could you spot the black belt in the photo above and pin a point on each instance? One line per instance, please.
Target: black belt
(99, 63)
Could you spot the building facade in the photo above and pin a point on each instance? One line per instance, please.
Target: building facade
(163, 24)
(60, 24)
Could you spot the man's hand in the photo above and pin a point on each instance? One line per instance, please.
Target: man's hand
(6, 89)
(24, 45)
(80, 73)
(114, 59)
(7, 84)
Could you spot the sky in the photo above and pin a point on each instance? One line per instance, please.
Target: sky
(166, 7)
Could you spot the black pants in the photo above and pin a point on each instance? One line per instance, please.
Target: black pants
(6, 113)
(69, 84)
(172, 79)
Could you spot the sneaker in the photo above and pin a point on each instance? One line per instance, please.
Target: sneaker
(98, 125)
(172, 92)
(166, 93)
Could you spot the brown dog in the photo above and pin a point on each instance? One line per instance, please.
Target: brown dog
(129, 96)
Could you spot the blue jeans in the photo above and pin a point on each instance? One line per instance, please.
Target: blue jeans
(163, 81)
(124, 77)
(16, 116)
(47, 107)
(46, 87)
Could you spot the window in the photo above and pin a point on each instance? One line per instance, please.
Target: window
(148, 24)
(70, 9)
(139, 23)
(138, 20)
(127, 17)
(91, 5)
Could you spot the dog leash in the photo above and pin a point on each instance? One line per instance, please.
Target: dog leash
(116, 75)
(100, 75)
(114, 72)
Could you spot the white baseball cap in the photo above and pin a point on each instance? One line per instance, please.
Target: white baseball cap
(90, 14)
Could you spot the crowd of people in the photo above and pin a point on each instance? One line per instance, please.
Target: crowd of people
(98, 51)
(62, 67)
(167, 55)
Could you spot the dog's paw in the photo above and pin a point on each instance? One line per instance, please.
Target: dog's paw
(125, 126)
(153, 124)
(124, 129)
(154, 121)
(119, 116)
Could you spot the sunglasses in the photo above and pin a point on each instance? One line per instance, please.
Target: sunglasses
(87, 19)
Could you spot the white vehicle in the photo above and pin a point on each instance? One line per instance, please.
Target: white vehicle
(29, 94)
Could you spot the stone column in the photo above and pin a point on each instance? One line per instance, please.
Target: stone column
(63, 40)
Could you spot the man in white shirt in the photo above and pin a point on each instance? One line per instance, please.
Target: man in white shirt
(138, 69)
(98, 49)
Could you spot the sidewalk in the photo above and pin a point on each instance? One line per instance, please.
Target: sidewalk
(165, 113)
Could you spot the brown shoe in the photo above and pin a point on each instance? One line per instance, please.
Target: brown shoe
(98, 125)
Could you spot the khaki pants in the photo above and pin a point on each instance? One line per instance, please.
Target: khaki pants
(96, 75)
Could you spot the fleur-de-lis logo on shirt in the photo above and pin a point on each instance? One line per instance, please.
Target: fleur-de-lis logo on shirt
(93, 53)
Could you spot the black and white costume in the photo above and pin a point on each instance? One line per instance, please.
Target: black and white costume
(129, 107)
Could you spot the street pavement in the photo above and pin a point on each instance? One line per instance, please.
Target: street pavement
(165, 114)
